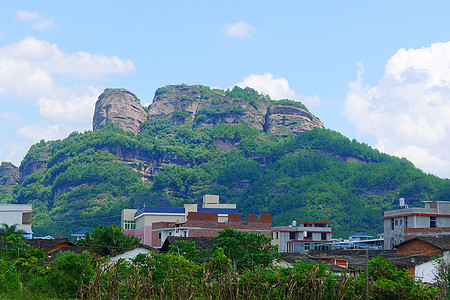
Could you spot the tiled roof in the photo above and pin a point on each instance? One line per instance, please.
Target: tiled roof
(148, 209)
(218, 210)
(357, 258)
(361, 234)
(46, 244)
(80, 233)
(180, 210)
(441, 242)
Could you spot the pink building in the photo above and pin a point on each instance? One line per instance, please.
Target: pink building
(207, 224)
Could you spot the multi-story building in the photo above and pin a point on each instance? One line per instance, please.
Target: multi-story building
(406, 223)
(17, 214)
(139, 223)
(207, 224)
(302, 236)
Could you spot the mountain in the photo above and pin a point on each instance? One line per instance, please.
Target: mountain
(266, 156)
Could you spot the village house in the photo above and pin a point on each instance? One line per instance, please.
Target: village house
(20, 214)
(430, 248)
(360, 240)
(302, 236)
(406, 223)
(207, 224)
(139, 223)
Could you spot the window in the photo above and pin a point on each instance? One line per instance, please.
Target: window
(159, 235)
(396, 222)
(432, 221)
(26, 218)
(401, 221)
(392, 224)
(323, 236)
(307, 246)
(127, 225)
(309, 235)
(292, 235)
(277, 235)
(406, 222)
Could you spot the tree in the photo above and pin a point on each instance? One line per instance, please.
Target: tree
(109, 239)
(247, 250)
(6, 230)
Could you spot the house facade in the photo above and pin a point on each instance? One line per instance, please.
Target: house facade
(207, 224)
(406, 223)
(20, 214)
(433, 247)
(139, 223)
(302, 237)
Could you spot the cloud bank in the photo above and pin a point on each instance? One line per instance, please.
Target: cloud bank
(238, 29)
(37, 21)
(277, 88)
(409, 110)
(36, 73)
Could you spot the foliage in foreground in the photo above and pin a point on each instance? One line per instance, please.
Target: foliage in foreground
(108, 240)
(24, 274)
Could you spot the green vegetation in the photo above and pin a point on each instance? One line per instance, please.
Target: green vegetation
(24, 274)
(288, 102)
(247, 250)
(319, 175)
(108, 240)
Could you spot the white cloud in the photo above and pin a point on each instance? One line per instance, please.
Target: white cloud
(409, 110)
(37, 74)
(277, 88)
(42, 56)
(7, 117)
(38, 22)
(238, 29)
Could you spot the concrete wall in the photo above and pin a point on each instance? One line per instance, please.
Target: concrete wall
(12, 214)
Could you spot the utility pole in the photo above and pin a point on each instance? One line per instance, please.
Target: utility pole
(367, 274)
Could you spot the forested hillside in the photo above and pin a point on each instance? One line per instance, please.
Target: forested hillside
(317, 175)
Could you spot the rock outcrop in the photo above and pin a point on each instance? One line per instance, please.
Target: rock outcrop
(179, 103)
(9, 177)
(283, 119)
(203, 106)
(121, 108)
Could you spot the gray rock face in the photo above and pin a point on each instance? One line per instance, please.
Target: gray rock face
(282, 119)
(179, 103)
(9, 177)
(121, 108)
(204, 107)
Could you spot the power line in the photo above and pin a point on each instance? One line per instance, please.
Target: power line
(80, 220)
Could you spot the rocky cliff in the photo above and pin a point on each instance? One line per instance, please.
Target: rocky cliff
(120, 107)
(9, 177)
(204, 107)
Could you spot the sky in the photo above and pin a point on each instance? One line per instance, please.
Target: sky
(376, 71)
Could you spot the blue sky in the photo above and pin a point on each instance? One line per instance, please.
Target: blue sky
(375, 71)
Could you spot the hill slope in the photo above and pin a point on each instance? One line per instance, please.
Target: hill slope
(266, 156)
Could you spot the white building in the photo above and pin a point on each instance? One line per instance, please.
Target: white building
(17, 214)
(405, 223)
(139, 222)
(302, 237)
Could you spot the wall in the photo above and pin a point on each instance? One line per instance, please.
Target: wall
(11, 214)
(205, 224)
(418, 247)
